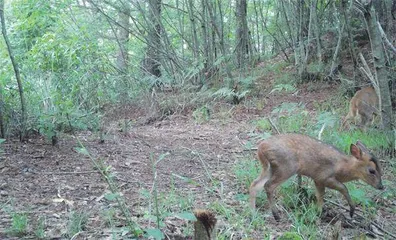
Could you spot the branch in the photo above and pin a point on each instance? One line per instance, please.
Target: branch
(359, 215)
(387, 42)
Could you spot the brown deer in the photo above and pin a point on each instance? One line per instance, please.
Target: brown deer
(363, 104)
(285, 155)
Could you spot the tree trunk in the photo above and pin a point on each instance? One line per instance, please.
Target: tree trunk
(195, 47)
(335, 61)
(242, 33)
(152, 62)
(17, 73)
(302, 67)
(316, 30)
(2, 131)
(380, 68)
(122, 38)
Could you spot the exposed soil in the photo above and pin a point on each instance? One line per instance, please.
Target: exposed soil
(50, 182)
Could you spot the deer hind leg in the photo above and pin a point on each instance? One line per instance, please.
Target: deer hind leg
(278, 176)
(365, 120)
(257, 185)
(351, 115)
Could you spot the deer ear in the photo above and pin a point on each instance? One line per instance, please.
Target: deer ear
(355, 151)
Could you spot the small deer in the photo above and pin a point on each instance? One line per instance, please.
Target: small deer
(363, 104)
(285, 155)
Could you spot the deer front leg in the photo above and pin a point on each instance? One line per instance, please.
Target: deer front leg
(336, 185)
(320, 191)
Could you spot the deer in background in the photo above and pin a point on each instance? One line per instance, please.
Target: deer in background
(364, 104)
(285, 155)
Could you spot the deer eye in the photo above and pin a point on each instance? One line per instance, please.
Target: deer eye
(372, 171)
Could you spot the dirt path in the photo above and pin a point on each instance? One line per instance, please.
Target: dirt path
(48, 181)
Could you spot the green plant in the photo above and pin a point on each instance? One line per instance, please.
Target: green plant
(77, 222)
(315, 67)
(201, 114)
(305, 219)
(285, 79)
(246, 171)
(114, 194)
(2, 140)
(290, 236)
(283, 87)
(19, 224)
(291, 117)
(373, 139)
(230, 95)
(263, 125)
(39, 232)
(155, 190)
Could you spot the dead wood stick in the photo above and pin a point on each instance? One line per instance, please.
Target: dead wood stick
(371, 222)
(273, 126)
(64, 173)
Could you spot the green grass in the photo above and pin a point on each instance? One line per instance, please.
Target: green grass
(19, 224)
(39, 232)
(77, 223)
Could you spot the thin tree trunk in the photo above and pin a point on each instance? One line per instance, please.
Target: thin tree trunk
(242, 33)
(380, 68)
(307, 48)
(351, 48)
(218, 27)
(122, 39)
(302, 68)
(335, 60)
(256, 23)
(17, 74)
(195, 41)
(2, 131)
(154, 38)
(205, 38)
(316, 30)
(289, 31)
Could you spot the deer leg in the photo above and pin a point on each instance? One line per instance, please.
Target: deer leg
(320, 191)
(257, 185)
(278, 176)
(336, 185)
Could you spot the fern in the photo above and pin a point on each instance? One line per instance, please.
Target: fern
(283, 87)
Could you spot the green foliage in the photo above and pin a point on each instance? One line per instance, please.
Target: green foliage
(246, 171)
(114, 195)
(2, 140)
(304, 219)
(290, 236)
(39, 232)
(154, 233)
(315, 67)
(77, 223)
(263, 125)
(373, 139)
(283, 87)
(276, 68)
(291, 117)
(201, 114)
(229, 94)
(19, 224)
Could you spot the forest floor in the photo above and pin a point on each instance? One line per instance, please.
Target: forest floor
(49, 182)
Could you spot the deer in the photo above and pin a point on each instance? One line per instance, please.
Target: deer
(285, 155)
(364, 104)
